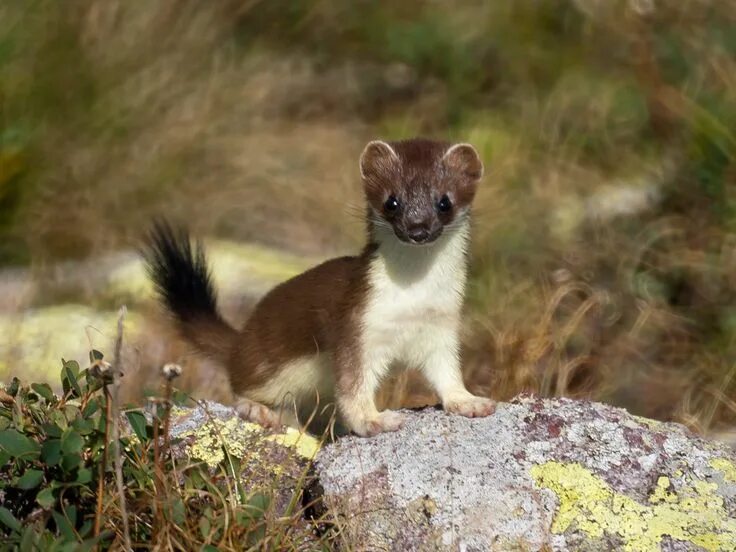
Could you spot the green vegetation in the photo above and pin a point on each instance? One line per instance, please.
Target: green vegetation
(60, 484)
(603, 261)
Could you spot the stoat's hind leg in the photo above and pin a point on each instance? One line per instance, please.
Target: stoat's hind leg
(258, 413)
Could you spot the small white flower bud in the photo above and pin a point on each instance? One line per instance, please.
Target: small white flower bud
(171, 371)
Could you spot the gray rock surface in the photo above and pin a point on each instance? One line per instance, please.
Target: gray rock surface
(538, 474)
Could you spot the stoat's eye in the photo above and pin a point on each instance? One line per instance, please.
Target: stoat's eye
(444, 205)
(392, 204)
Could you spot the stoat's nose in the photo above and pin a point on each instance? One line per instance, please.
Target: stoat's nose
(418, 234)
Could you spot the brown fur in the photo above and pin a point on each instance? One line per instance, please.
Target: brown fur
(306, 315)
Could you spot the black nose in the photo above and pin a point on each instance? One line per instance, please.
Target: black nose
(418, 235)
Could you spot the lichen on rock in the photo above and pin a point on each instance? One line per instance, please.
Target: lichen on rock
(553, 474)
(695, 513)
(212, 429)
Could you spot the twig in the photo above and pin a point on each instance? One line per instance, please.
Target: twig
(169, 371)
(157, 478)
(117, 361)
(103, 464)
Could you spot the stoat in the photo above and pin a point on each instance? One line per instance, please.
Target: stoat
(336, 330)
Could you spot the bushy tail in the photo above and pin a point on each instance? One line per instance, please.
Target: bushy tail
(184, 285)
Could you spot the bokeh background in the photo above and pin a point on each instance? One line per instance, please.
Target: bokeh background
(604, 253)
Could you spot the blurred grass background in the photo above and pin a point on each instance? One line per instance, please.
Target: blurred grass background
(604, 255)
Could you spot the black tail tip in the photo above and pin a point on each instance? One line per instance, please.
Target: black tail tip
(178, 271)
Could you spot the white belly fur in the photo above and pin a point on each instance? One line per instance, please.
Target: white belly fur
(305, 378)
(413, 307)
(414, 301)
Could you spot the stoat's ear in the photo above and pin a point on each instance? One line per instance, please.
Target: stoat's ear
(464, 158)
(377, 158)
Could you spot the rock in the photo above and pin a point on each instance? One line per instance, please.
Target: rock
(539, 474)
(276, 464)
(211, 427)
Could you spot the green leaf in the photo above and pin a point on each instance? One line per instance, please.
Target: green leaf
(95, 355)
(71, 412)
(64, 526)
(57, 416)
(178, 512)
(13, 387)
(51, 452)
(27, 540)
(84, 427)
(102, 423)
(45, 498)
(138, 423)
(52, 430)
(8, 519)
(257, 506)
(44, 390)
(179, 398)
(86, 529)
(71, 514)
(69, 375)
(46, 541)
(30, 480)
(90, 544)
(92, 407)
(84, 476)
(71, 442)
(71, 461)
(18, 445)
(204, 527)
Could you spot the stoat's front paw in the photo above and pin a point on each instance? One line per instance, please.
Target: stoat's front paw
(388, 420)
(471, 406)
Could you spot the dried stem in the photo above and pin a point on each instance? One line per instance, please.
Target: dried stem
(103, 463)
(115, 416)
(157, 476)
(167, 413)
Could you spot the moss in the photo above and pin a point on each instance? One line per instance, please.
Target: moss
(695, 513)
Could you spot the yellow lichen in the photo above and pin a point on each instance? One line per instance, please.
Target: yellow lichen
(726, 467)
(235, 435)
(305, 445)
(696, 514)
(651, 424)
(210, 438)
(661, 492)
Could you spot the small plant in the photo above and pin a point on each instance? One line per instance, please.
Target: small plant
(49, 447)
(58, 487)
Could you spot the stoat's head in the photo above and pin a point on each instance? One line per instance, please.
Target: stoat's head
(419, 188)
